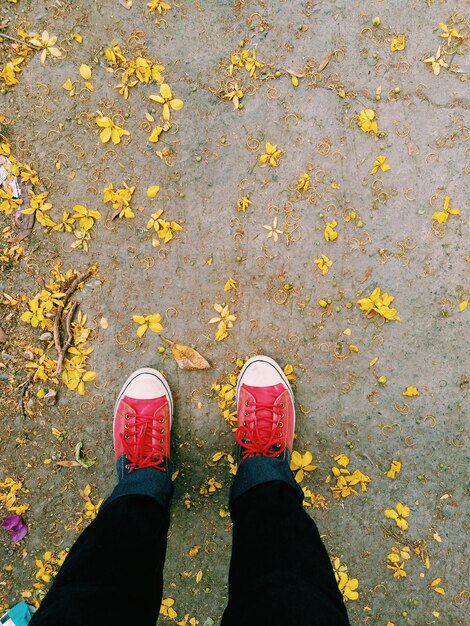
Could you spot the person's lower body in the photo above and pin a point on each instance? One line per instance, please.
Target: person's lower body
(280, 572)
(113, 573)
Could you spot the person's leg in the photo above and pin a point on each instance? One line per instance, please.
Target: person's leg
(280, 572)
(114, 572)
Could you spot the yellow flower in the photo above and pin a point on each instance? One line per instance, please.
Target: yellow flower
(86, 217)
(69, 86)
(379, 163)
(8, 203)
(167, 608)
(166, 99)
(396, 561)
(436, 62)
(301, 463)
(230, 284)
(10, 70)
(435, 586)
(246, 59)
(345, 480)
(441, 217)
(163, 228)
(9, 499)
(273, 231)
(330, 233)
(192, 621)
(120, 199)
(324, 264)
(147, 322)
(342, 460)
(40, 208)
(398, 43)
(303, 182)
(75, 377)
(251, 64)
(379, 304)
(47, 43)
(114, 55)
(234, 93)
(448, 33)
(347, 586)
(395, 468)
(224, 320)
(243, 203)
(158, 6)
(213, 485)
(411, 391)
(155, 134)
(288, 370)
(399, 515)
(40, 309)
(49, 565)
(397, 568)
(110, 129)
(28, 174)
(367, 121)
(272, 155)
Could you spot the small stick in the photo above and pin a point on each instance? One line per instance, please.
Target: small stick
(23, 43)
(69, 337)
(62, 348)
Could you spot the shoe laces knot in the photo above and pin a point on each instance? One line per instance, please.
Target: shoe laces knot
(262, 431)
(143, 441)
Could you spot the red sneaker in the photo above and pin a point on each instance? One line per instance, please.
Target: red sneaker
(265, 407)
(142, 421)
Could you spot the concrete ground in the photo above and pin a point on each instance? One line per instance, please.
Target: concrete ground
(386, 238)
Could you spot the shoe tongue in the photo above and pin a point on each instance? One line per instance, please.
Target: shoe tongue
(146, 406)
(265, 395)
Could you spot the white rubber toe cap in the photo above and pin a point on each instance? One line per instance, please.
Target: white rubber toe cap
(144, 384)
(262, 371)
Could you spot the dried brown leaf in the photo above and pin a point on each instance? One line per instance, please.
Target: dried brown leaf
(293, 73)
(366, 276)
(187, 358)
(68, 463)
(325, 61)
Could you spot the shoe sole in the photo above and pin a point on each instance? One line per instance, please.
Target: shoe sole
(265, 359)
(133, 376)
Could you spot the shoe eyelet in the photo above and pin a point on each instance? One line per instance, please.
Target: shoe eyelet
(126, 436)
(247, 403)
(127, 417)
(281, 424)
(245, 413)
(126, 426)
(162, 430)
(161, 440)
(282, 405)
(281, 415)
(162, 419)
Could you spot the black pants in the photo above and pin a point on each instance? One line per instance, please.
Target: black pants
(280, 572)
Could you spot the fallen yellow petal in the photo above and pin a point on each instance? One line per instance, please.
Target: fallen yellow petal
(152, 191)
(85, 71)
